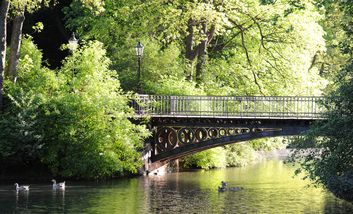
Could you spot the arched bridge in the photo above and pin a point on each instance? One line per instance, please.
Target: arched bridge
(184, 125)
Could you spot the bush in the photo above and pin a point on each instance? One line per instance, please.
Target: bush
(240, 154)
(75, 121)
(212, 158)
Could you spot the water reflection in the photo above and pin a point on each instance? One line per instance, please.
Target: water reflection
(269, 187)
(58, 199)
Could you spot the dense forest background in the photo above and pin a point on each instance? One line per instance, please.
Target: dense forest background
(65, 109)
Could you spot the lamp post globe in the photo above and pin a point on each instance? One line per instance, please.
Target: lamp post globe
(139, 49)
(139, 52)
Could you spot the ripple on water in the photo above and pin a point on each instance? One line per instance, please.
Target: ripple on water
(269, 187)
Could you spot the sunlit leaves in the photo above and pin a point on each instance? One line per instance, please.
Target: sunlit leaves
(76, 119)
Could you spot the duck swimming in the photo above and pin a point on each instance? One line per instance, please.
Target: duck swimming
(60, 185)
(224, 188)
(21, 188)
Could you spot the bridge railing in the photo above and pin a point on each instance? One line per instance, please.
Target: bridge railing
(230, 107)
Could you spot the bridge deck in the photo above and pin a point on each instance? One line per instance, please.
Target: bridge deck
(256, 107)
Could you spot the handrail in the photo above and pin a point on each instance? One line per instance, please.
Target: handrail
(279, 107)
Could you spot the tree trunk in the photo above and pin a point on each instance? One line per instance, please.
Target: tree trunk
(190, 53)
(201, 58)
(4, 9)
(199, 51)
(15, 45)
(202, 51)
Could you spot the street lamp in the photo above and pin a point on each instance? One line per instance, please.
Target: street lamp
(73, 42)
(139, 52)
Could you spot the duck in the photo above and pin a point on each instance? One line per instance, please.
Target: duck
(60, 185)
(224, 184)
(221, 189)
(21, 188)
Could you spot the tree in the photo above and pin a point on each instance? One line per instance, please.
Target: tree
(74, 121)
(327, 149)
(225, 46)
(3, 23)
(19, 7)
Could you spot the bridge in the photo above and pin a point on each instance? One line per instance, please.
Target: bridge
(184, 125)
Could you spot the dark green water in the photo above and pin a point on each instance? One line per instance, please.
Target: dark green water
(269, 187)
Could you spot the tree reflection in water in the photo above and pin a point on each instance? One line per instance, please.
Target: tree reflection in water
(269, 187)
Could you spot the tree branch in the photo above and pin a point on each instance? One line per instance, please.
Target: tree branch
(243, 45)
(256, 82)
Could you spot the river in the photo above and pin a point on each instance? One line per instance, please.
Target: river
(269, 187)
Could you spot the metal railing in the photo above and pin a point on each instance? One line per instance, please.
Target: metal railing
(279, 107)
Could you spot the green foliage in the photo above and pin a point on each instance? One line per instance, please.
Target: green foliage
(29, 5)
(240, 154)
(326, 150)
(269, 144)
(20, 143)
(74, 121)
(235, 155)
(212, 158)
(257, 47)
(328, 146)
(169, 85)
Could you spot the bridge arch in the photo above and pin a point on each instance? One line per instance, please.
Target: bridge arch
(183, 125)
(194, 147)
(174, 138)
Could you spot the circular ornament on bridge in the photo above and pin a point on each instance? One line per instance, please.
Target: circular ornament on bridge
(201, 134)
(232, 131)
(213, 133)
(222, 132)
(240, 130)
(166, 139)
(245, 130)
(186, 135)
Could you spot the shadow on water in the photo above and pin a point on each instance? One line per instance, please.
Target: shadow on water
(269, 187)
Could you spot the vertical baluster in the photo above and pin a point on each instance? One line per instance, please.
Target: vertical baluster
(296, 107)
(167, 105)
(247, 107)
(312, 107)
(255, 109)
(199, 105)
(283, 109)
(153, 105)
(227, 108)
(269, 104)
(183, 106)
(159, 103)
(163, 104)
(180, 103)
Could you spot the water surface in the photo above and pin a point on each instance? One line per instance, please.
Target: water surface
(269, 187)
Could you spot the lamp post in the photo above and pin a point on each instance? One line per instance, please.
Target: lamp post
(139, 52)
(73, 42)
